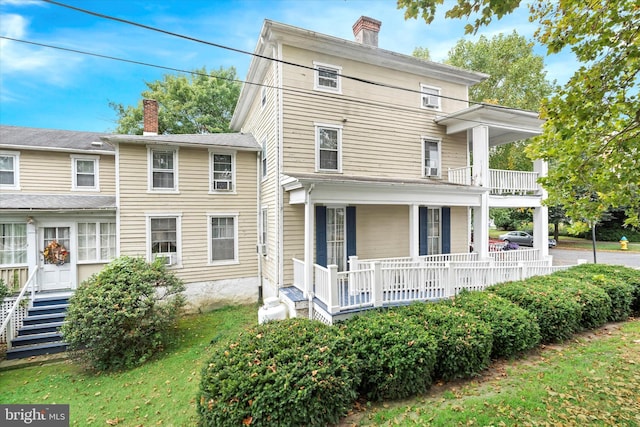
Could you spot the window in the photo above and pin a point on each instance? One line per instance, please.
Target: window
(85, 172)
(264, 159)
(431, 157)
(223, 232)
(222, 172)
(9, 170)
(430, 97)
(96, 241)
(328, 147)
(62, 235)
(263, 97)
(433, 234)
(327, 77)
(163, 169)
(13, 243)
(264, 224)
(336, 237)
(164, 234)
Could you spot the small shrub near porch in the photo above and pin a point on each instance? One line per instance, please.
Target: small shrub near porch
(125, 314)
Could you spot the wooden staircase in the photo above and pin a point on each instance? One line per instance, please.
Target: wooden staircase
(40, 331)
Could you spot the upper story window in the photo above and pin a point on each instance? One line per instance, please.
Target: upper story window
(431, 156)
(85, 172)
(430, 97)
(163, 169)
(327, 77)
(222, 166)
(10, 170)
(328, 148)
(13, 243)
(265, 165)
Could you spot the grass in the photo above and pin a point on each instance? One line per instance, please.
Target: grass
(593, 380)
(567, 242)
(161, 392)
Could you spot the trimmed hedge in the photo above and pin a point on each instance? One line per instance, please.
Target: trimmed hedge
(557, 311)
(620, 288)
(464, 341)
(515, 330)
(397, 357)
(594, 301)
(290, 372)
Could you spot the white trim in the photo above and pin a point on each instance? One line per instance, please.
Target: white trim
(338, 128)
(316, 77)
(437, 106)
(264, 160)
(98, 241)
(235, 216)
(74, 172)
(16, 170)
(212, 153)
(438, 141)
(263, 97)
(154, 215)
(263, 229)
(164, 148)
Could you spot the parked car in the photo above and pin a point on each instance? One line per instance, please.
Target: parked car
(522, 238)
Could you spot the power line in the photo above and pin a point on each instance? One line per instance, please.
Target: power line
(221, 46)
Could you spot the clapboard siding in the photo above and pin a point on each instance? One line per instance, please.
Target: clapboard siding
(460, 229)
(382, 231)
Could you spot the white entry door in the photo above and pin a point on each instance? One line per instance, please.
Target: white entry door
(57, 270)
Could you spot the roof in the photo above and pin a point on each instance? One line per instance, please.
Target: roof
(237, 141)
(58, 202)
(52, 139)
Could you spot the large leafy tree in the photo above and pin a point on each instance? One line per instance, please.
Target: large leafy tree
(592, 133)
(201, 102)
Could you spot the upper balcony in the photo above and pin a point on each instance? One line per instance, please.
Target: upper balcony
(501, 182)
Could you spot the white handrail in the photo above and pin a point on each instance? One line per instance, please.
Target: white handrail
(15, 305)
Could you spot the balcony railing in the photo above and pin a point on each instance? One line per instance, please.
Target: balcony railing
(500, 181)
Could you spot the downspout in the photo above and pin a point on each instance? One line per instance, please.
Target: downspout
(279, 161)
(259, 225)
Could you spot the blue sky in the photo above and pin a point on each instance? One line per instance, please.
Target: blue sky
(42, 87)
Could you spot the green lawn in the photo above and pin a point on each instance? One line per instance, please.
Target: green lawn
(566, 242)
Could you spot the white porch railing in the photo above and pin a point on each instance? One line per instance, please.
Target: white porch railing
(516, 255)
(500, 181)
(377, 283)
(298, 274)
(13, 311)
(14, 277)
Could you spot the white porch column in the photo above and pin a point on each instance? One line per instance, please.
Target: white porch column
(480, 150)
(309, 232)
(32, 245)
(541, 214)
(414, 231)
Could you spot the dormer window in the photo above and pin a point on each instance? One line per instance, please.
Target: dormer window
(430, 97)
(327, 77)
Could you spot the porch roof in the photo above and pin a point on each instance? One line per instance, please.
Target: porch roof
(505, 124)
(56, 202)
(333, 188)
(235, 141)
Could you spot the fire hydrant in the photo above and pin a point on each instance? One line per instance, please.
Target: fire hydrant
(623, 243)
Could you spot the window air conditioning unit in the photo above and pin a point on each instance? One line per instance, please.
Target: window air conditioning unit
(432, 172)
(262, 249)
(169, 259)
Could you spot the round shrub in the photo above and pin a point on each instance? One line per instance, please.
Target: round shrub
(557, 311)
(515, 329)
(4, 291)
(620, 292)
(290, 372)
(464, 341)
(595, 303)
(397, 357)
(123, 315)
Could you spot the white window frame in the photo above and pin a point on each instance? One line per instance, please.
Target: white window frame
(99, 247)
(159, 215)
(150, 187)
(338, 128)
(12, 241)
(264, 229)
(264, 160)
(74, 172)
(236, 259)
(212, 181)
(431, 248)
(433, 100)
(16, 170)
(342, 262)
(316, 77)
(425, 173)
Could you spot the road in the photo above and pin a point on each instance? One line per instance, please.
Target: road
(568, 257)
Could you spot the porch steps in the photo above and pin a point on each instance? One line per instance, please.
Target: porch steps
(40, 332)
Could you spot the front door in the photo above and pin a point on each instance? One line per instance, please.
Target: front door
(56, 259)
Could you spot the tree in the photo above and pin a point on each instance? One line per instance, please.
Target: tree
(202, 102)
(592, 130)
(422, 53)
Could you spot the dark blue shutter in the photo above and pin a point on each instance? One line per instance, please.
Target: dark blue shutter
(351, 231)
(423, 244)
(321, 235)
(446, 230)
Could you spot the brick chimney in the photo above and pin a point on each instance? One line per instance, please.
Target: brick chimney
(150, 125)
(366, 31)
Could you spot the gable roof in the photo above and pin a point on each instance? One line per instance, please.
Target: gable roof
(236, 141)
(52, 140)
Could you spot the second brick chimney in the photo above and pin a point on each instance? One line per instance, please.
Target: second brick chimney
(366, 31)
(150, 123)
